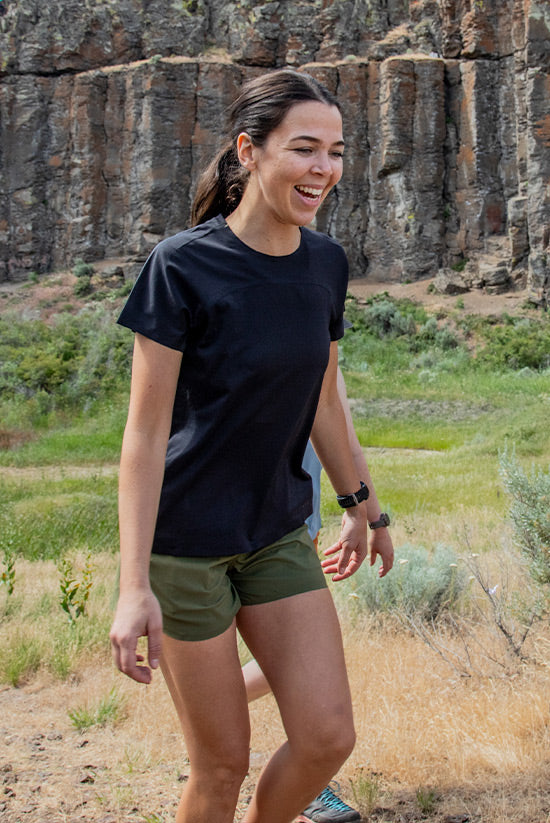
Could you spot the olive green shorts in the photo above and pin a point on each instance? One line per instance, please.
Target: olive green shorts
(200, 596)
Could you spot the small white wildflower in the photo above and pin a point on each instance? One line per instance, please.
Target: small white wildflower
(403, 561)
(472, 577)
(453, 565)
(354, 595)
(493, 590)
(474, 555)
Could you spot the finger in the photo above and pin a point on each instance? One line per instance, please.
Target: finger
(344, 559)
(129, 663)
(330, 566)
(333, 549)
(154, 646)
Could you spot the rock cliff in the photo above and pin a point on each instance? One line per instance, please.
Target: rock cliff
(109, 109)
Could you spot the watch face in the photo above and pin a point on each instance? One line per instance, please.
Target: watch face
(383, 520)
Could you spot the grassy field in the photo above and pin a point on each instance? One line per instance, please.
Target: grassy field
(453, 725)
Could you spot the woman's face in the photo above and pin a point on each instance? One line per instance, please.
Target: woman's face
(300, 162)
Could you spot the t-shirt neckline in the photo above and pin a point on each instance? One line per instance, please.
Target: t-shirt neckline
(264, 255)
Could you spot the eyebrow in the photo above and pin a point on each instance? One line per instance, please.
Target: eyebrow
(314, 139)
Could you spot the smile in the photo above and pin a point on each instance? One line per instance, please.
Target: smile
(309, 191)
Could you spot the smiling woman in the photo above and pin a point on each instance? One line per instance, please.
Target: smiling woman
(235, 367)
(293, 172)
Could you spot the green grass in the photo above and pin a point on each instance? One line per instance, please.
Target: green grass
(46, 518)
(108, 710)
(432, 413)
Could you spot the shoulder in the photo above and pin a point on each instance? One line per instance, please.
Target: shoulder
(203, 234)
(323, 244)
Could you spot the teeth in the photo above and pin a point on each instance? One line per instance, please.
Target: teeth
(310, 190)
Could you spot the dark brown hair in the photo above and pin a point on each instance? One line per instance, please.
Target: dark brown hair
(261, 106)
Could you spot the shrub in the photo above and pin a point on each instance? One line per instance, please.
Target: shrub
(530, 514)
(83, 286)
(68, 364)
(422, 584)
(517, 343)
(82, 269)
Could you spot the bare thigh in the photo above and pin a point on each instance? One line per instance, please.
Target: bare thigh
(206, 684)
(297, 642)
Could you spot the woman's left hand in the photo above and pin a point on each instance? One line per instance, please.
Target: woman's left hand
(344, 557)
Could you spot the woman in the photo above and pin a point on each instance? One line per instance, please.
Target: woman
(235, 363)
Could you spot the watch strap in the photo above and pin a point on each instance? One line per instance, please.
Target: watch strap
(346, 501)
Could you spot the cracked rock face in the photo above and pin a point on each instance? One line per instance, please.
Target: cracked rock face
(109, 109)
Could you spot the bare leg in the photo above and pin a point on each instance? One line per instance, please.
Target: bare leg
(255, 681)
(298, 645)
(207, 687)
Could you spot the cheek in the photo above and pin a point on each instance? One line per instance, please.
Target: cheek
(337, 174)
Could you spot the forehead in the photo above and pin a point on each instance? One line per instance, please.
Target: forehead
(311, 118)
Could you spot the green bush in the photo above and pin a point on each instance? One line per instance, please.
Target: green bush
(422, 584)
(530, 514)
(83, 286)
(66, 365)
(524, 344)
(82, 269)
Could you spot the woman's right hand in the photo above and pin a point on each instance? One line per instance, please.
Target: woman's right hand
(137, 615)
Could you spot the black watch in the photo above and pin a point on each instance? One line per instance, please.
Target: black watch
(349, 500)
(383, 520)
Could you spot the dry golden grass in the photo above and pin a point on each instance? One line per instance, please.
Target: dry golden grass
(480, 745)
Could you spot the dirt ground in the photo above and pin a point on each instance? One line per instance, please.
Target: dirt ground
(475, 301)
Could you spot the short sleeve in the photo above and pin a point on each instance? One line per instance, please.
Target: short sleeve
(158, 305)
(337, 326)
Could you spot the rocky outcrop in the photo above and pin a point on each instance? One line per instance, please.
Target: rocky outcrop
(109, 109)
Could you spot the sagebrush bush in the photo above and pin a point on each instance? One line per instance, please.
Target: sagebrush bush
(422, 584)
(82, 269)
(530, 514)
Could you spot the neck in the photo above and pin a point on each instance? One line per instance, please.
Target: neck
(261, 233)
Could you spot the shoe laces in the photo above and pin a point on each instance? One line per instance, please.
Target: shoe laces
(331, 800)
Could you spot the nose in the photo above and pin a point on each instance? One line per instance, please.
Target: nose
(322, 164)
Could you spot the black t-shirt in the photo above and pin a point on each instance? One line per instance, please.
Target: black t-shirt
(255, 332)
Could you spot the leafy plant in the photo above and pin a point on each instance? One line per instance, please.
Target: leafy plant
(74, 592)
(8, 573)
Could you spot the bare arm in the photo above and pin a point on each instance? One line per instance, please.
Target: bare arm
(380, 542)
(155, 373)
(330, 440)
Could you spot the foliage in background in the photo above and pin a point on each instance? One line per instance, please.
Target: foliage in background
(510, 343)
(64, 365)
(530, 514)
(422, 583)
(506, 343)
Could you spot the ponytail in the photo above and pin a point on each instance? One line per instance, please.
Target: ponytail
(220, 187)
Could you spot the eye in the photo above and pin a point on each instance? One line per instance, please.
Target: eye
(339, 154)
(304, 150)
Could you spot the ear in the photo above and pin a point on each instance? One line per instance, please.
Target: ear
(246, 151)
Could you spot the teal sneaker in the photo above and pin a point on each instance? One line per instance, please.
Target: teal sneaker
(329, 808)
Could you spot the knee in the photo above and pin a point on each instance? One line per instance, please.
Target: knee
(330, 744)
(226, 769)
